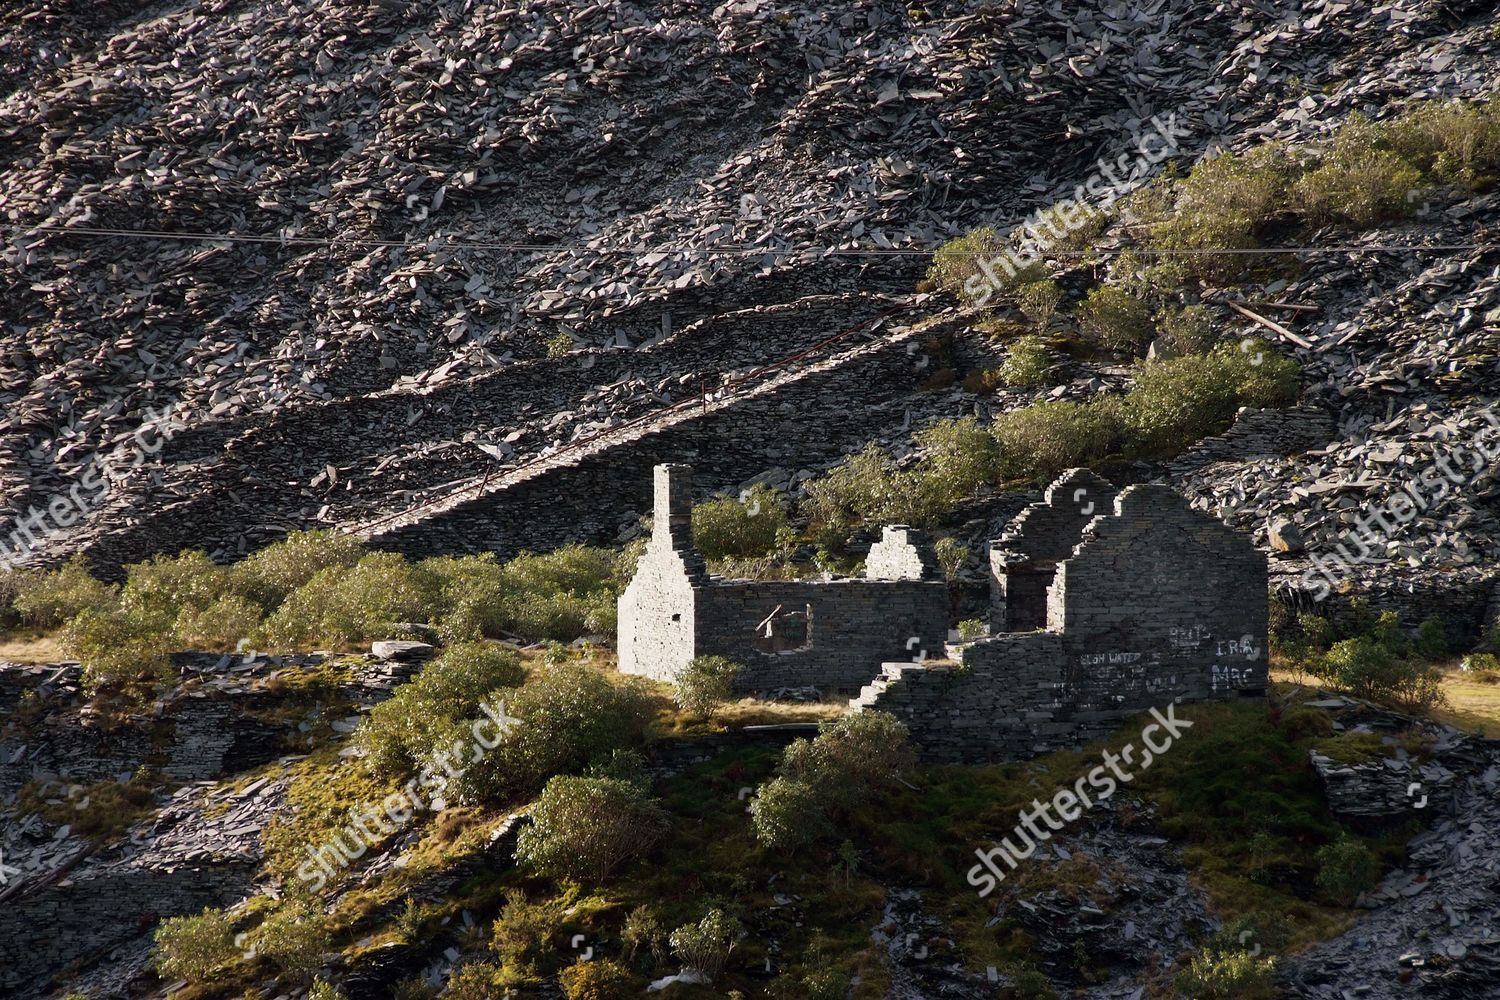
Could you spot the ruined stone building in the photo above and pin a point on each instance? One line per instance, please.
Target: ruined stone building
(786, 633)
(1105, 603)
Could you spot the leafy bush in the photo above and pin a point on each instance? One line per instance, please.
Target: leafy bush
(195, 948)
(569, 716)
(956, 268)
(839, 769)
(295, 937)
(739, 527)
(559, 345)
(1176, 401)
(323, 990)
(1450, 141)
(1189, 330)
(561, 595)
(788, 813)
(585, 828)
(959, 457)
(49, 598)
(159, 589)
(1232, 974)
(971, 628)
(1228, 202)
(403, 729)
(220, 625)
(116, 648)
(340, 606)
(1115, 318)
(597, 980)
(705, 684)
(706, 945)
(869, 487)
(1043, 439)
(522, 933)
(1432, 640)
(270, 575)
(1358, 181)
(952, 556)
(1026, 363)
(1038, 301)
(643, 928)
(1346, 868)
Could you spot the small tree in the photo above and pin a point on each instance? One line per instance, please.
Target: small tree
(597, 980)
(1038, 301)
(195, 948)
(48, 598)
(585, 828)
(705, 684)
(1346, 868)
(705, 946)
(1115, 318)
(295, 937)
(1026, 363)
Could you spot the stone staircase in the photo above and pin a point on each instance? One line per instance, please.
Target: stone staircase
(890, 673)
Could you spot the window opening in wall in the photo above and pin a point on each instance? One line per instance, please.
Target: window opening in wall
(785, 631)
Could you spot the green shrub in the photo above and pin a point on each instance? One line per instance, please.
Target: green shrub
(522, 933)
(116, 648)
(323, 990)
(1177, 401)
(1043, 439)
(742, 527)
(1026, 363)
(1432, 640)
(295, 937)
(1228, 202)
(569, 716)
(959, 457)
(163, 587)
(956, 268)
(705, 684)
(1450, 141)
(971, 628)
(559, 345)
(340, 606)
(952, 556)
(402, 730)
(596, 980)
(869, 487)
(788, 813)
(561, 595)
(585, 828)
(1346, 868)
(643, 928)
(1038, 301)
(221, 625)
(706, 945)
(195, 948)
(270, 575)
(840, 769)
(1232, 974)
(1189, 330)
(1115, 318)
(1358, 181)
(1368, 667)
(49, 598)
(476, 981)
